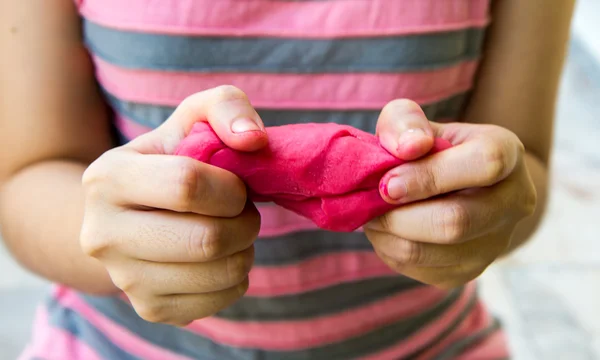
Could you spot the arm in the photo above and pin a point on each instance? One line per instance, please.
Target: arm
(54, 124)
(518, 84)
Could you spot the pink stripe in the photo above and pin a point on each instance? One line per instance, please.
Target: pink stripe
(119, 336)
(286, 91)
(276, 220)
(294, 335)
(316, 273)
(477, 320)
(129, 128)
(428, 332)
(58, 343)
(313, 19)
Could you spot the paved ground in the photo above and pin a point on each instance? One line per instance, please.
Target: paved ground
(547, 294)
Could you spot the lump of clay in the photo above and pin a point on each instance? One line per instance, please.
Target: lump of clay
(328, 173)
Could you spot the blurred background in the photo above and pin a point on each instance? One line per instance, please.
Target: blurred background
(548, 293)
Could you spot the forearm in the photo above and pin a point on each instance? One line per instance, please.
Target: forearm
(517, 84)
(41, 210)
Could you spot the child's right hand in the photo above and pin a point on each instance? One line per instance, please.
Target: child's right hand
(176, 235)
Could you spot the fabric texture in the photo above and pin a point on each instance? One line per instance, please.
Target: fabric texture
(313, 294)
(329, 173)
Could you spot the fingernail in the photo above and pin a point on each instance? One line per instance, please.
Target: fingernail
(243, 125)
(410, 135)
(396, 188)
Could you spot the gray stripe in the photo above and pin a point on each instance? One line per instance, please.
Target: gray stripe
(195, 346)
(342, 297)
(461, 346)
(152, 115)
(389, 335)
(80, 328)
(296, 247)
(278, 55)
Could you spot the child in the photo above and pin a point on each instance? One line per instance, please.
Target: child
(157, 255)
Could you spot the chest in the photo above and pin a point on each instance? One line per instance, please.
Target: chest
(298, 61)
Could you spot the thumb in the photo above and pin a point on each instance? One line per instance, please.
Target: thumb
(228, 111)
(404, 131)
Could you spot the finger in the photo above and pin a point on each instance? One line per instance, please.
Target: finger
(168, 182)
(478, 162)
(453, 218)
(164, 236)
(402, 253)
(404, 130)
(226, 108)
(183, 309)
(153, 278)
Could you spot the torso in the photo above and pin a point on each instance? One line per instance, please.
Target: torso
(313, 294)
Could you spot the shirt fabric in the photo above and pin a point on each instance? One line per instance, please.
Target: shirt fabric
(313, 294)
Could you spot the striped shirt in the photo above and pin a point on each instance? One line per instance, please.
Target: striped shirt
(313, 294)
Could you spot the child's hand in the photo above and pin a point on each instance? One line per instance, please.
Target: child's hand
(176, 235)
(449, 240)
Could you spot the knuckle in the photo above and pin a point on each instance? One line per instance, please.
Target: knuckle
(93, 193)
(93, 173)
(187, 185)
(229, 92)
(190, 103)
(389, 261)
(495, 162)
(426, 178)
(92, 241)
(401, 106)
(393, 263)
(462, 277)
(124, 282)
(410, 253)
(242, 288)
(239, 196)
(203, 242)
(154, 312)
(253, 224)
(182, 323)
(90, 176)
(238, 266)
(473, 274)
(93, 177)
(520, 147)
(384, 221)
(453, 222)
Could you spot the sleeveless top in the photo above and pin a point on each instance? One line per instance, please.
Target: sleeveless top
(313, 294)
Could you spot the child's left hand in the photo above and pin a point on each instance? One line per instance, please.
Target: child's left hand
(461, 205)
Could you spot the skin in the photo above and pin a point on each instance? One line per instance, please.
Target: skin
(485, 197)
(184, 253)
